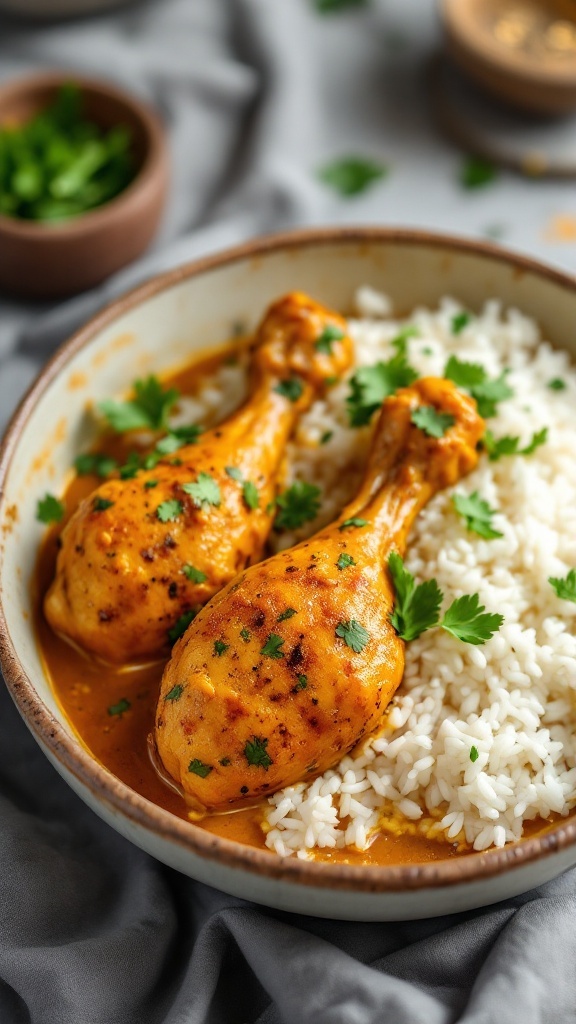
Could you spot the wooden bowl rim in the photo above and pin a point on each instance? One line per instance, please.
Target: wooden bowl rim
(104, 787)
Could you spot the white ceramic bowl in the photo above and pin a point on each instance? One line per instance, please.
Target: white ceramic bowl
(154, 328)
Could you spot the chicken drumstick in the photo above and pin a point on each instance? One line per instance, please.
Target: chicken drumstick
(139, 554)
(290, 665)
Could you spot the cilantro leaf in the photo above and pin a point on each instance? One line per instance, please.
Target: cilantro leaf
(353, 634)
(245, 634)
(477, 513)
(326, 436)
(96, 463)
(169, 511)
(49, 509)
(272, 647)
(250, 494)
(477, 173)
(557, 384)
(473, 377)
(290, 388)
(148, 410)
(565, 588)
(497, 447)
(354, 521)
(119, 708)
(467, 621)
(371, 385)
(351, 175)
(329, 335)
(301, 684)
(199, 768)
(181, 625)
(194, 575)
(220, 648)
(255, 753)
(286, 614)
(400, 341)
(433, 423)
(474, 755)
(101, 504)
(175, 693)
(233, 472)
(299, 504)
(416, 608)
(205, 491)
(149, 484)
(464, 375)
(344, 561)
(460, 321)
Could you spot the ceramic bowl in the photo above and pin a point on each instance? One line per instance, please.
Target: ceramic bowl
(156, 327)
(41, 260)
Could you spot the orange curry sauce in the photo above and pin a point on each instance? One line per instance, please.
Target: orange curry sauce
(86, 690)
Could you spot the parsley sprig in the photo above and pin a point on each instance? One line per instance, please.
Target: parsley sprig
(371, 385)
(565, 588)
(148, 410)
(472, 377)
(497, 447)
(204, 491)
(477, 514)
(417, 608)
(297, 505)
(49, 509)
(433, 423)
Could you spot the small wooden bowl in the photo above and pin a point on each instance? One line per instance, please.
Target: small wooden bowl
(522, 53)
(46, 261)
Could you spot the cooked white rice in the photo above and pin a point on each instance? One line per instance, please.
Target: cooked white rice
(512, 698)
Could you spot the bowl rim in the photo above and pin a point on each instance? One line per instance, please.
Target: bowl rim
(106, 788)
(100, 217)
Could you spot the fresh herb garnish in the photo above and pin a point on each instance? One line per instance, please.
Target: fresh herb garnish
(302, 683)
(400, 340)
(330, 6)
(119, 708)
(199, 768)
(205, 491)
(180, 626)
(245, 634)
(169, 511)
(175, 693)
(272, 647)
(49, 509)
(467, 621)
(557, 384)
(352, 175)
(96, 463)
(371, 385)
(353, 634)
(344, 561)
(101, 504)
(220, 648)
(290, 388)
(329, 335)
(433, 423)
(477, 173)
(474, 755)
(474, 379)
(565, 588)
(194, 575)
(416, 608)
(477, 513)
(255, 752)
(250, 494)
(149, 485)
(233, 472)
(299, 504)
(497, 447)
(148, 410)
(286, 614)
(460, 321)
(326, 436)
(354, 521)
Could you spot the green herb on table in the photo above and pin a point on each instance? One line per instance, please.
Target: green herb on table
(194, 575)
(354, 635)
(49, 509)
(352, 175)
(477, 514)
(290, 388)
(272, 647)
(180, 626)
(169, 511)
(204, 491)
(565, 588)
(433, 423)
(297, 505)
(119, 708)
(148, 410)
(371, 385)
(96, 463)
(199, 768)
(497, 447)
(256, 754)
(477, 173)
(329, 335)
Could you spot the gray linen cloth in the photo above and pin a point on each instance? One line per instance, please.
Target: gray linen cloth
(256, 95)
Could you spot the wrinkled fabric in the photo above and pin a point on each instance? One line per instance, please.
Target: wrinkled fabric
(256, 95)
